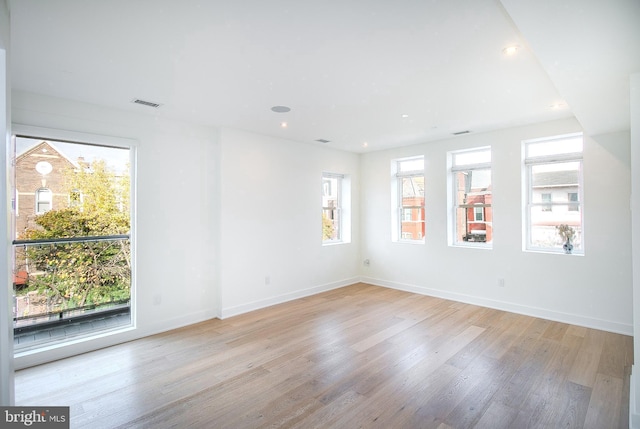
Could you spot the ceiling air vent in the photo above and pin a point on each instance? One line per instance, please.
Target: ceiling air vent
(146, 103)
(461, 132)
(323, 141)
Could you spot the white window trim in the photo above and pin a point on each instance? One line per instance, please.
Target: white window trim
(527, 191)
(101, 339)
(343, 208)
(452, 199)
(396, 197)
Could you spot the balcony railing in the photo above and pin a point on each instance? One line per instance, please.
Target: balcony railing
(58, 282)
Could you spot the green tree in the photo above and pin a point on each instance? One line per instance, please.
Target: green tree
(93, 272)
(328, 230)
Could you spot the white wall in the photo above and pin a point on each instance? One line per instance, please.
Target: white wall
(591, 290)
(271, 221)
(217, 213)
(176, 212)
(6, 325)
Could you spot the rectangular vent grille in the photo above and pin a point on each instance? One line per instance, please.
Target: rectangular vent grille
(323, 141)
(146, 103)
(461, 132)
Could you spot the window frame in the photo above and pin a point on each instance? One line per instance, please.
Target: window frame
(40, 191)
(76, 202)
(562, 157)
(342, 208)
(453, 169)
(399, 209)
(69, 344)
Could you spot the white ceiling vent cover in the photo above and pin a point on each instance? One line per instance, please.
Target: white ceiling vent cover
(146, 103)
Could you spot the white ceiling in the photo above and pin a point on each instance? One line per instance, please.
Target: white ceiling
(348, 69)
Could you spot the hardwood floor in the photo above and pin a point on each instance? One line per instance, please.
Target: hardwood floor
(360, 356)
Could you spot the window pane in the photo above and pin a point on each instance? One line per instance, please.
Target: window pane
(546, 176)
(554, 147)
(416, 164)
(544, 226)
(553, 195)
(479, 213)
(472, 157)
(473, 211)
(330, 224)
(554, 203)
(572, 197)
(81, 192)
(331, 230)
(43, 200)
(412, 224)
(413, 190)
(409, 199)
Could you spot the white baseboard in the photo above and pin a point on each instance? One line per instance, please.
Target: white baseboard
(574, 319)
(279, 299)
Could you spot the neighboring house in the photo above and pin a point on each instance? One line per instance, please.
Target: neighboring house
(557, 196)
(412, 225)
(413, 217)
(479, 219)
(40, 184)
(474, 197)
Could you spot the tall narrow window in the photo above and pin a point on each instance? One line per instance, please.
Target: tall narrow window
(553, 188)
(44, 198)
(408, 195)
(471, 218)
(332, 212)
(72, 246)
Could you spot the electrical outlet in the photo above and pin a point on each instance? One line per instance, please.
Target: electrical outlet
(366, 263)
(501, 282)
(267, 280)
(157, 299)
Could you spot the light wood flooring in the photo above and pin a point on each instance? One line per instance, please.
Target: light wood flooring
(359, 356)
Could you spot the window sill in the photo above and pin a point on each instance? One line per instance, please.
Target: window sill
(409, 241)
(334, 243)
(553, 252)
(472, 246)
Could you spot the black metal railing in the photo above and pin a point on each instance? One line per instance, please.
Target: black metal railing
(25, 324)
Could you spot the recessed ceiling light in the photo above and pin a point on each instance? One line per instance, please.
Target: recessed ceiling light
(365, 144)
(511, 50)
(557, 106)
(281, 109)
(405, 116)
(283, 125)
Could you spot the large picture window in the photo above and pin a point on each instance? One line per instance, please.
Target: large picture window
(554, 211)
(71, 239)
(471, 215)
(409, 221)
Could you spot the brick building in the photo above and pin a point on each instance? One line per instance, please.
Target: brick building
(40, 184)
